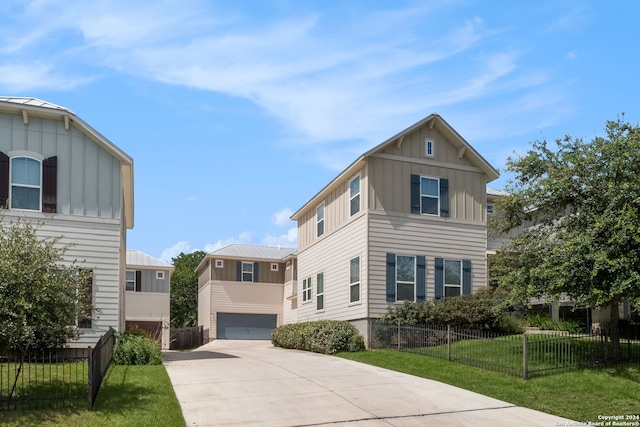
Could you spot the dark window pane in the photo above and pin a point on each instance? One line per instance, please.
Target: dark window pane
(430, 205)
(320, 302)
(405, 292)
(354, 275)
(451, 291)
(25, 198)
(355, 205)
(354, 293)
(405, 269)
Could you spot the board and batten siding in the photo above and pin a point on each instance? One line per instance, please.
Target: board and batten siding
(204, 311)
(89, 177)
(336, 211)
(331, 256)
(147, 306)
(406, 234)
(96, 246)
(244, 297)
(149, 283)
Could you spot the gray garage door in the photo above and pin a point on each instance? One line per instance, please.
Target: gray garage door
(239, 326)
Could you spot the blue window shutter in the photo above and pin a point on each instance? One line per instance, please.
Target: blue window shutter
(239, 271)
(415, 194)
(255, 271)
(444, 197)
(49, 184)
(4, 179)
(391, 277)
(439, 272)
(466, 277)
(421, 278)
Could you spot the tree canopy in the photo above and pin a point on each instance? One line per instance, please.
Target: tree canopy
(184, 289)
(42, 295)
(576, 205)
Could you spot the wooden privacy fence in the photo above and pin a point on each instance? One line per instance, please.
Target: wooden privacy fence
(186, 338)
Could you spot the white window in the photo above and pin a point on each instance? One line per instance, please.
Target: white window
(452, 278)
(26, 183)
(160, 275)
(274, 266)
(429, 195)
(247, 272)
(405, 278)
(489, 208)
(320, 220)
(320, 291)
(306, 290)
(354, 280)
(288, 265)
(219, 263)
(429, 148)
(354, 195)
(131, 280)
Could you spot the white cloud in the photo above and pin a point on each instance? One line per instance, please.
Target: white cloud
(290, 239)
(282, 217)
(16, 78)
(245, 237)
(175, 250)
(572, 55)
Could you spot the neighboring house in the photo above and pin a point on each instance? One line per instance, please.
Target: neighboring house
(59, 172)
(241, 290)
(406, 221)
(147, 295)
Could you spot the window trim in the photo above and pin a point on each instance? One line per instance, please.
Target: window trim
(274, 266)
(446, 285)
(320, 221)
(160, 275)
(429, 196)
(243, 271)
(127, 281)
(288, 265)
(218, 263)
(429, 148)
(356, 283)
(490, 209)
(415, 272)
(319, 292)
(353, 196)
(306, 290)
(29, 156)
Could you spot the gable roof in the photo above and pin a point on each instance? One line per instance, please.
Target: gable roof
(140, 259)
(432, 121)
(253, 252)
(39, 108)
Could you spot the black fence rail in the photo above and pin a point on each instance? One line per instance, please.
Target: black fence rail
(99, 361)
(186, 338)
(533, 353)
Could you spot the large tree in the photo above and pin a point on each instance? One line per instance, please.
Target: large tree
(184, 289)
(42, 295)
(576, 204)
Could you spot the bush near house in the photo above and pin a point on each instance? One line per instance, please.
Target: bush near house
(322, 336)
(136, 349)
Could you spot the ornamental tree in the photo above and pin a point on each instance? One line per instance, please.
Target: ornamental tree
(577, 206)
(184, 289)
(42, 295)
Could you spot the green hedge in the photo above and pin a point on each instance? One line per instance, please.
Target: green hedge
(322, 336)
(134, 349)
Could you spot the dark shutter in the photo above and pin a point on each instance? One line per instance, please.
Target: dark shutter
(4, 180)
(466, 277)
(421, 273)
(391, 277)
(255, 271)
(444, 197)
(138, 281)
(439, 273)
(49, 184)
(85, 321)
(239, 271)
(415, 194)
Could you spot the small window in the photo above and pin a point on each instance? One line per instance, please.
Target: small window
(306, 289)
(288, 265)
(489, 208)
(354, 280)
(131, 280)
(452, 278)
(160, 275)
(429, 195)
(320, 291)
(320, 220)
(247, 272)
(274, 266)
(219, 263)
(25, 183)
(428, 148)
(354, 195)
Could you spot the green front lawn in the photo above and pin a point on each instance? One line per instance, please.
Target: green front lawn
(129, 396)
(580, 395)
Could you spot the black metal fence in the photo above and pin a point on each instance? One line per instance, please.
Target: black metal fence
(186, 338)
(68, 377)
(533, 353)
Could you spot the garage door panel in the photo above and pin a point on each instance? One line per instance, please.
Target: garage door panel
(243, 326)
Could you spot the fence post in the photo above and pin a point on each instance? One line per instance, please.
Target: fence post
(448, 343)
(525, 357)
(398, 335)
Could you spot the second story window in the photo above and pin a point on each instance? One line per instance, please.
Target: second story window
(429, 195)
(429, 148)
(306, 290)
(25, 183)
(320, 220)
(131, 281)
(354, 195)
(247, 272)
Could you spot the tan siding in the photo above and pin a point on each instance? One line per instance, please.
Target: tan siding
(147, 306)
(291, 272)
(405, 234)
(331, 256)
(289, 305)
(204, 311)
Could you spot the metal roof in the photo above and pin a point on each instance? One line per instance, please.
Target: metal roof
(33, 102)
(140, 259)
(494, 192)
(253, 252)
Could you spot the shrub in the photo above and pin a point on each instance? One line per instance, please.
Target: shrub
(322, 336)
(133, 349)
(546, 323)
(135, 330)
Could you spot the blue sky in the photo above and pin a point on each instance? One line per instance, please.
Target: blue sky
(237, 112)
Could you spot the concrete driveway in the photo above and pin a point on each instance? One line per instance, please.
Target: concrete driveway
(252, 383)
